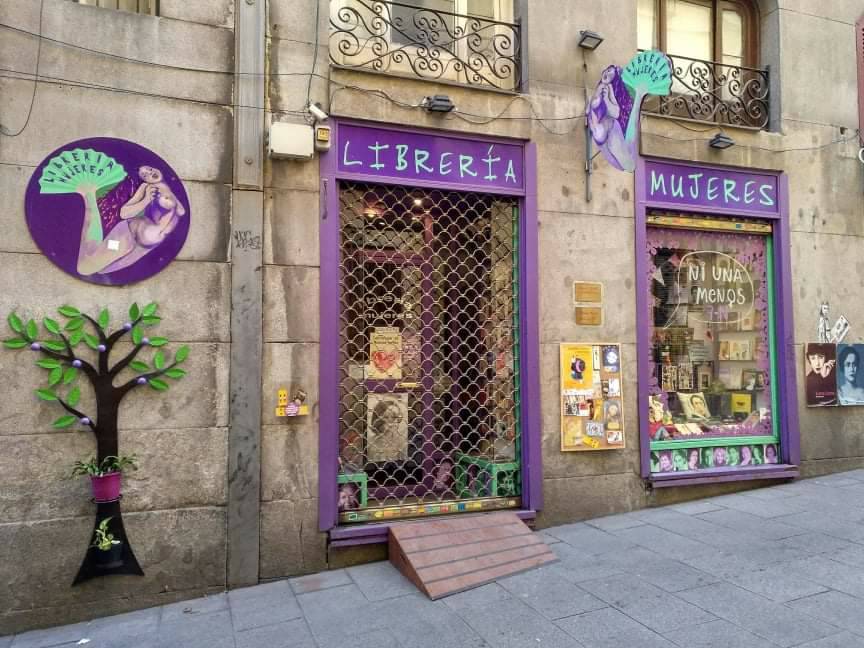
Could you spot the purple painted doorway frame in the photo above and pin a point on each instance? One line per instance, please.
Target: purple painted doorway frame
(328, 436)
(790, 440)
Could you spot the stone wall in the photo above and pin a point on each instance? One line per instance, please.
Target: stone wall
(179, 106)
(174, 505)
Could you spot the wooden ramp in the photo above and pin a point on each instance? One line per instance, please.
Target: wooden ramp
(449, 555)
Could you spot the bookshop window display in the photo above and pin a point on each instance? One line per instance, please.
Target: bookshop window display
(712, 396)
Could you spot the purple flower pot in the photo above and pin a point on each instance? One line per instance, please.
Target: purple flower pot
(107, 487)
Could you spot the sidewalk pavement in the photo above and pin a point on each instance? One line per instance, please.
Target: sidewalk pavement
(779, 566)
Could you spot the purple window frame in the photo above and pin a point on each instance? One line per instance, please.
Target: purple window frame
(790, 441)
(529, 341)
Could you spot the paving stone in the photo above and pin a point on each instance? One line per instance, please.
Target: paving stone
(722, 564)
(68, 634)
(340, 612)
(204, 631)
(772, 621)
(663, 541)
(773, 493)
(740, 521)
(204, 605)
(836, 608)
(381, 580)
(665, 613)
(842, 640)
(814, 542)
(374, 639)
(589, 540)
(851, 555)
(610, 628)
(830, 573)
(716, 634)
(512, 624)
(672, 575)
(316, 582)
(621, 590)
(759, 508)
(417, 622)
(590, 627)
(133, 628)
(550, 595)
(828, 524)
(263, 605)
(615, 522)
(694, 508)
(695, 528)
(484, 595)
(288, 634)
(776, 583)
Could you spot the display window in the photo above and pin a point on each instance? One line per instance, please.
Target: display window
(712, 397)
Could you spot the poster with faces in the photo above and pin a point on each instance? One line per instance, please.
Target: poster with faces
(591, 399)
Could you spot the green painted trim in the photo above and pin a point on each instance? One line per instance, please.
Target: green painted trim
(517, 377)
(772, 336)
(714, 442)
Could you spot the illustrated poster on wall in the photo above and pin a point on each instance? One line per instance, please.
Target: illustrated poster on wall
(592, 415)
(107, 211)
(820, 381)
(385, 354)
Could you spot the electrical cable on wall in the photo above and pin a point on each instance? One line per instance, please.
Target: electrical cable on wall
(3, 130)
(467, 117)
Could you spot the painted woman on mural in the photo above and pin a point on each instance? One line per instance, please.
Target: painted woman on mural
(145, 220)
(135, 209)
(609, 110)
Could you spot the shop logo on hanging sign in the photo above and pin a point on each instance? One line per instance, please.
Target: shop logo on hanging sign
(613, 112)
(412, 156)
(679, 184)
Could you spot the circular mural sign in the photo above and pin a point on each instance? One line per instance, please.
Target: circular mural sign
(107, 211)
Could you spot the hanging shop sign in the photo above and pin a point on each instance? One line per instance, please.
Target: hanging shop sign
(421, 156)
(592, 414)
(681, 184)
(613, 112)
(107, 211)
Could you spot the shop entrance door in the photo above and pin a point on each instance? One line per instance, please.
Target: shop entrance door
(429, 410)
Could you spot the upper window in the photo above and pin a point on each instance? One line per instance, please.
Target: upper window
(150, 7)
(724, 31)
(473, 42)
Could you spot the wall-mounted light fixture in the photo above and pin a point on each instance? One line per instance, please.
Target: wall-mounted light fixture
(438, 103)
(721, 141)
(589, 40)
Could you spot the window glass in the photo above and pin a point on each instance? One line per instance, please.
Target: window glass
(733, 38)
(418, 24)
(710, 384)
(688, 29)
(646, 23)
(483, 8)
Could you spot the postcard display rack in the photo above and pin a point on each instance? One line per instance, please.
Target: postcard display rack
(592, 414)
(711, 306)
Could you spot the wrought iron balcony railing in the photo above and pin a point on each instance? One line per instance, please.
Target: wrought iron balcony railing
(426, 43)
(714, 92)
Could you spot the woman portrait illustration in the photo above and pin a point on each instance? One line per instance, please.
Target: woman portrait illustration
(107, 211)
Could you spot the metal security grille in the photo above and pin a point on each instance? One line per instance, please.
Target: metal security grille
(429, 373)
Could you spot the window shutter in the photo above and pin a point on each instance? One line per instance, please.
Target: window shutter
(859, 51)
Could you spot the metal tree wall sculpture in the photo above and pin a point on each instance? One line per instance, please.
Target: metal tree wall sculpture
(60, 357)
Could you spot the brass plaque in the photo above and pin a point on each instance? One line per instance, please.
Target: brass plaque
(587, 292)
(589, 315)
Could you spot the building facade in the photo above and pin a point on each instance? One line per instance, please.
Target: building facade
(438, 311)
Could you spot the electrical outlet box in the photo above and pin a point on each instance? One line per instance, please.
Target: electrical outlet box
(291, 141)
